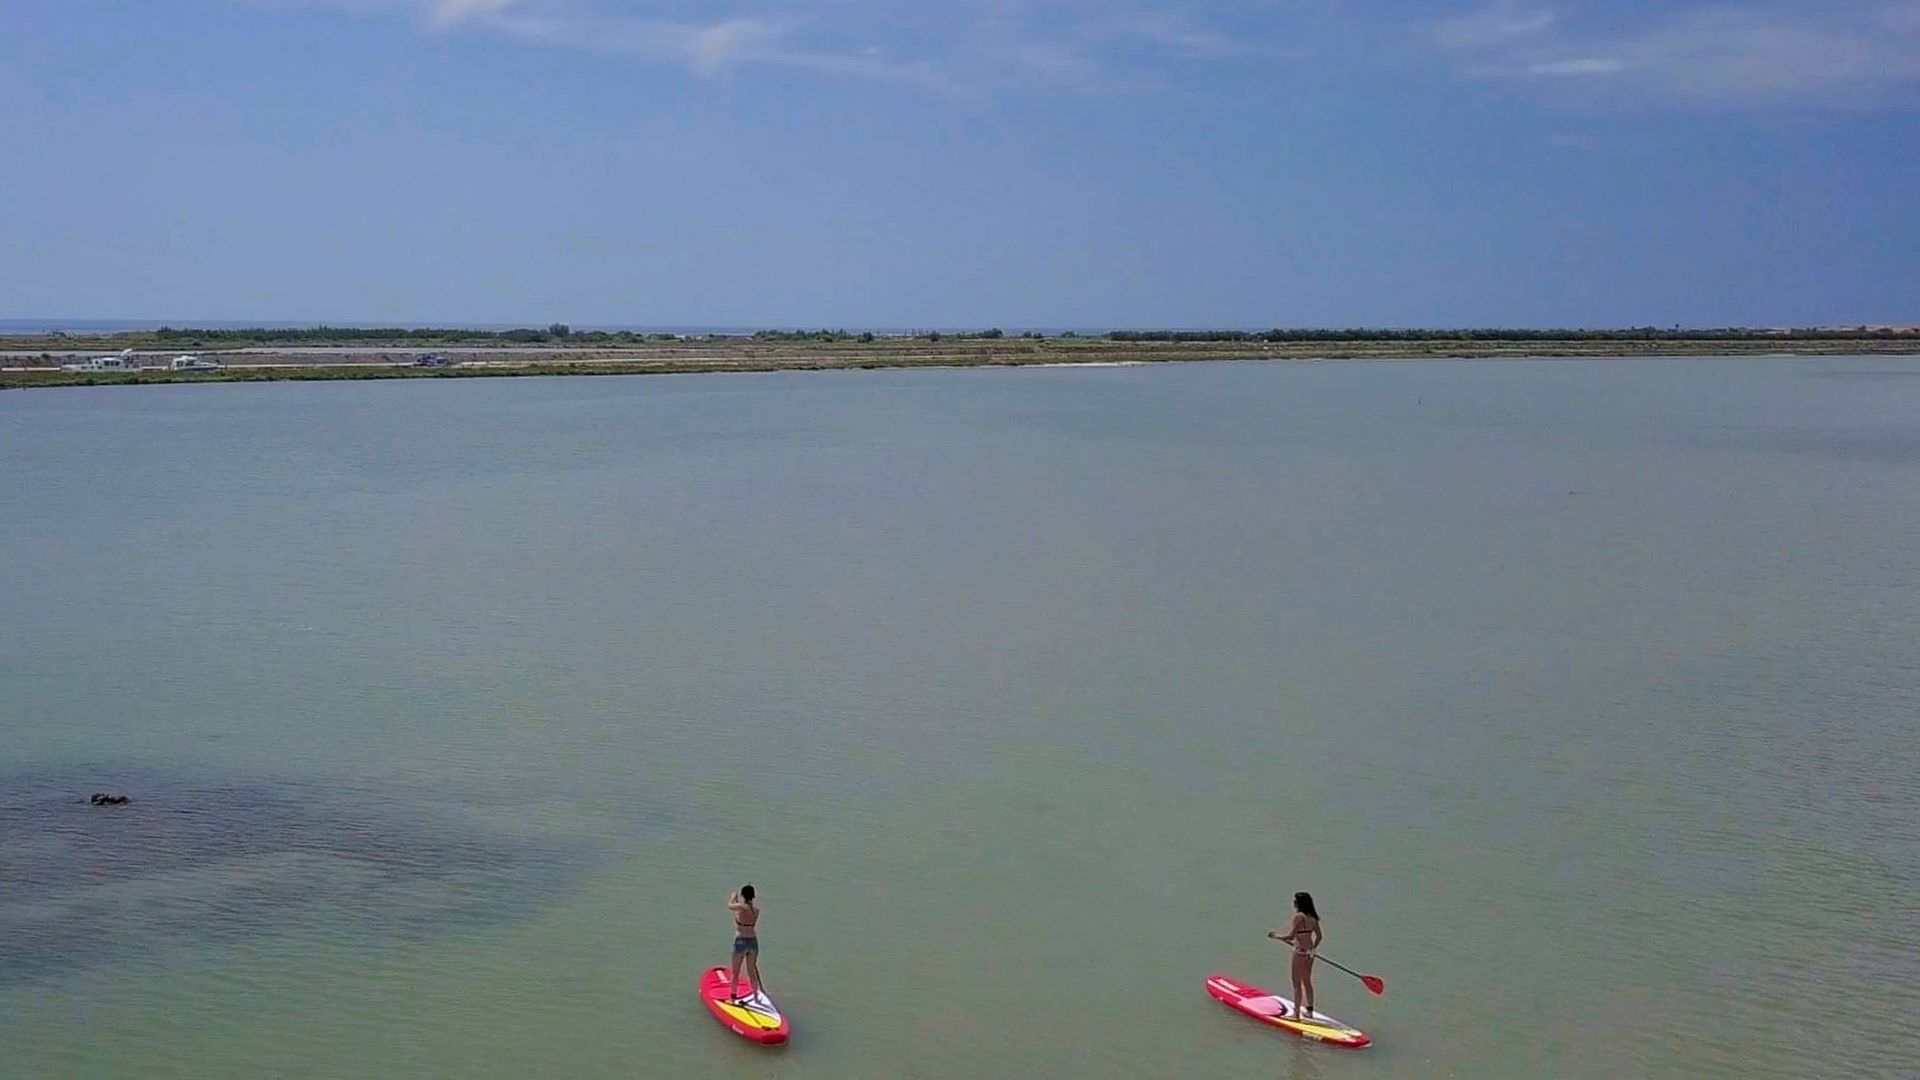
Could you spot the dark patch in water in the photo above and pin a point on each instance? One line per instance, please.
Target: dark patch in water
(195, 861)
(1882, 447)
(1866, 373)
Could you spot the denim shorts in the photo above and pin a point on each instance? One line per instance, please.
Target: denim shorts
(746, 946)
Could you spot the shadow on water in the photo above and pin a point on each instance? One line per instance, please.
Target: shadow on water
(1304, 1062)
(206, 860)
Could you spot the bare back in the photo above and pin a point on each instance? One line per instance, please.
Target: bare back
(1305, 933)
(746, 918)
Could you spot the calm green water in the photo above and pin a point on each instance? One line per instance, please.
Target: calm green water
(1582, 694)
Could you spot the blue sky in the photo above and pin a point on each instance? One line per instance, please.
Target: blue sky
(962, 162)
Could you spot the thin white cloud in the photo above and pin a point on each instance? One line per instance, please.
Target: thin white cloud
(974, 47)
(718, 46)
(448, 12)
(1056, 65)
(707, 49)
(1579, 65)
(1703, 54)
(1166, 30)
(1492, 25)
(1719, 56)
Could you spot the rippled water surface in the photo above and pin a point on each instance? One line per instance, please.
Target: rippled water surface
(1582, 694)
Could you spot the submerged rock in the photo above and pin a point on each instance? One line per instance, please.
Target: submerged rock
(101, 798)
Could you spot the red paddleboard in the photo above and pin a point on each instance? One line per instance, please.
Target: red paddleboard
(1271, 1008)
(754, 1017)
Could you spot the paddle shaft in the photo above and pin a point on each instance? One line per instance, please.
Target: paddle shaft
(1374, 982)
(1342, 967)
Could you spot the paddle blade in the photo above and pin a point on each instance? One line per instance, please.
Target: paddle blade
(1375, 983)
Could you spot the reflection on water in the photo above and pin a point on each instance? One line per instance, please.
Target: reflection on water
(1303, 1063)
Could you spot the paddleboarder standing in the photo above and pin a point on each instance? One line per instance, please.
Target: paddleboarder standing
(1304, 935)
(746, 939)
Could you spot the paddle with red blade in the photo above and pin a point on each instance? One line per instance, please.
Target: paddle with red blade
(1373, 982)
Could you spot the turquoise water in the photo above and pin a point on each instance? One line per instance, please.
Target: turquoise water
(1580, 693)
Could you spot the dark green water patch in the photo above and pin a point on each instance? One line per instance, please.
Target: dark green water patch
(205, 860)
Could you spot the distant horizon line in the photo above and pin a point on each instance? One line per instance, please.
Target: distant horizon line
(49, 326)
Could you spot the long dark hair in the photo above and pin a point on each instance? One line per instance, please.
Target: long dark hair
(1303, 903)
(746, 893)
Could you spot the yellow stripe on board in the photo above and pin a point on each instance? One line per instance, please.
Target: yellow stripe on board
(1301, 1025)
(757, 1019)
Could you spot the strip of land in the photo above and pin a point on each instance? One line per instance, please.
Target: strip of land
(250, 356)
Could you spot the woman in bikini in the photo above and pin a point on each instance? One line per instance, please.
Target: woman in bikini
(746, 939)
(1304, 936)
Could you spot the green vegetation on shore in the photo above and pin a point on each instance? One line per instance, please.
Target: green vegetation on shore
(332, 353)
(1638, 333)
(560, 335)
(557, 333)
